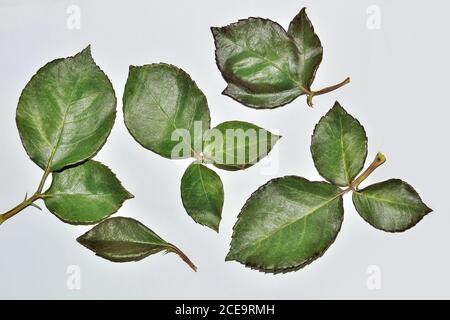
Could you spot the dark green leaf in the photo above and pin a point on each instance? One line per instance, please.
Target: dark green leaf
(202, 195)
(236, 145)
(124, 239)
(392, 205)
(85, 194)
(267, 67)
(259, 61)
(66, 112)
(339, 146)
(160, 99)
(302, 32)
(286, 224)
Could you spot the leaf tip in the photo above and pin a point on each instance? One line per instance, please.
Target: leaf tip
(215, 228)
(87, 51)
(230, 256)
(214, 30)
(80, 240)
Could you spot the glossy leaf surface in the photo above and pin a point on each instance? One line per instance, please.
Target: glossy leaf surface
(202, 195)
(339, 146)
(308, 43)
(392, 205)
(259, 61)
(286, 224)
(236, 145)
(85, 194)
(160, 99)
(125, 239)
(266, 67)
(66, 112)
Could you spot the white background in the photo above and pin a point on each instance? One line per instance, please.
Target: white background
(399, 92)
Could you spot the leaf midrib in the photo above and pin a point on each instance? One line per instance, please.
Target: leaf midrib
(203, 186)
(119, 242)
(257, 242)
(63, 124)
(401, 204)
(171, 121)
(82, 194)
(299, 85)
(344, 158)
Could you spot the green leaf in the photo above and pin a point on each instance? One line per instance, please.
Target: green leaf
(236, 145)
(66, 112)
(392, 205)
(265, 66)
(85, 194)
(160, 99)
(286, 224)
(339, 146)
(259, 61)
(308, 43)
(124, 239)
(202, 195)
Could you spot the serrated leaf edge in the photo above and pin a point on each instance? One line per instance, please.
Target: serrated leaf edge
(90, 222)
(337, 105)
(214, 31)
(179, 71)
(426, 212)
(84, 51)
(215, 228)
(285, 269)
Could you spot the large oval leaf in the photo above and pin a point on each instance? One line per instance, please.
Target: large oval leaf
(236, 145)
(202, 195)
(286, 224)
(160, 99)
(259, 61)
(392, 205)
(85, 194)
(66, 112)
(308, 43)
(339, 146)
(124, 239)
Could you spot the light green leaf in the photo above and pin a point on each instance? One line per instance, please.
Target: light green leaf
(124, 239)
(308, 43)
(160, 99)
(202, 195)
(66, 112)
(85, 194)
(236, 145)
(286, 224)
(339, 146)
(392, 205)
(259, 61)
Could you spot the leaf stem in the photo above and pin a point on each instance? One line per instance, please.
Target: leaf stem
(183, 257)
(27, 201)
(42, 182)
(378, 161)
(312, 94)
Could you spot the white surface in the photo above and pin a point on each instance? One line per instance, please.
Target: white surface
(399, 92)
